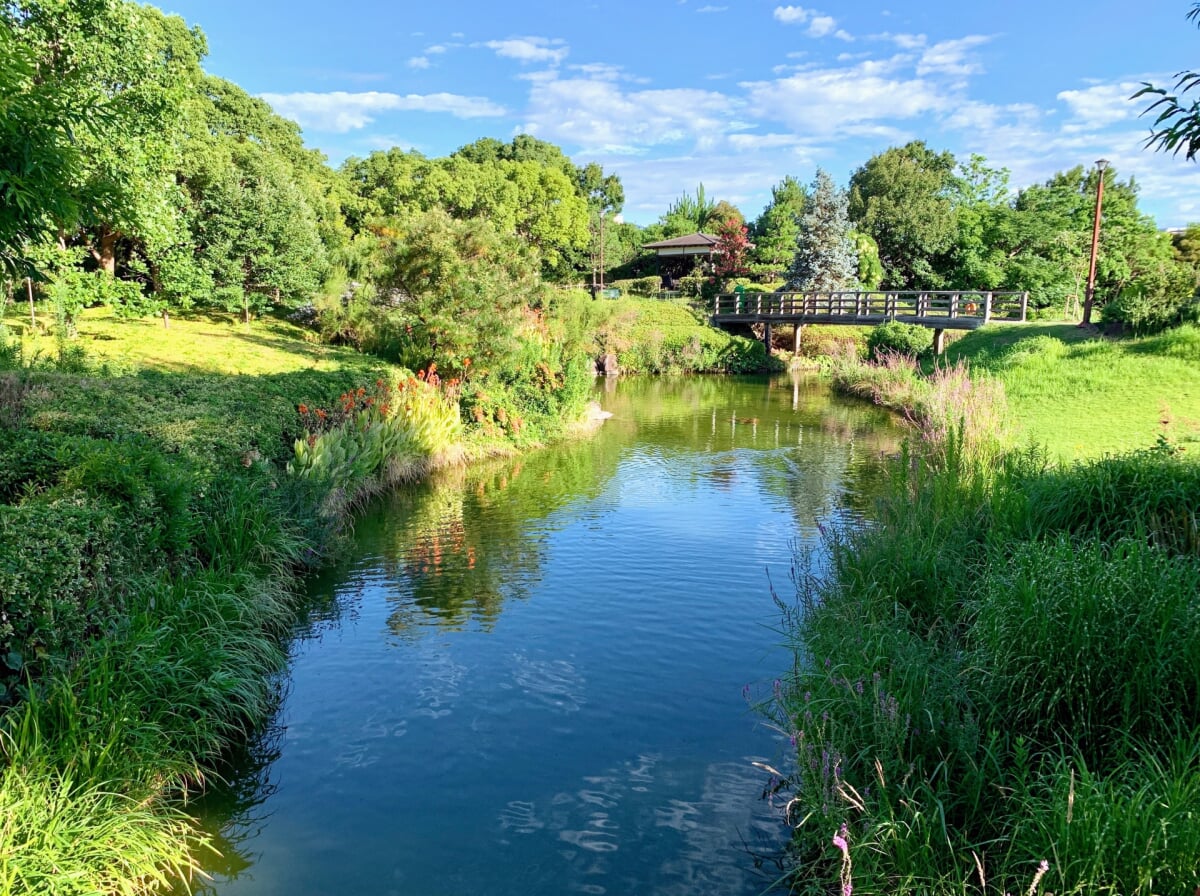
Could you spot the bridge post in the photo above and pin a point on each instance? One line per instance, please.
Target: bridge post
(987, 307)
(939, 342)
(1024, 306)
(767, 337)
(798, 334)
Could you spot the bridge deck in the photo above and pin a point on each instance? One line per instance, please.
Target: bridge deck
(937, 309)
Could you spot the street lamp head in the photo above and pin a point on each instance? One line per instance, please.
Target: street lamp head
(1101, 164)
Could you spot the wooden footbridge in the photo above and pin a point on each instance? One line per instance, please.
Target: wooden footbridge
(940, 310)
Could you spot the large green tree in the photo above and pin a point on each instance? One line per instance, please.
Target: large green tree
(903, 198)
(40, 161)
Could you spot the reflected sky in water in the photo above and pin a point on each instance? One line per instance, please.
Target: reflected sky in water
(528, 677)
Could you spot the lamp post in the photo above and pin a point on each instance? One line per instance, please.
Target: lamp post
(1101, 164)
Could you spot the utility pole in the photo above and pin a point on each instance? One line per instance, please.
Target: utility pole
(1090, 295)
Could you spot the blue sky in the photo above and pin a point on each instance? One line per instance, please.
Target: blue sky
(734, 93)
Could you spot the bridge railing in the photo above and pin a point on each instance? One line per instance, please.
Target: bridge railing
(928, 305)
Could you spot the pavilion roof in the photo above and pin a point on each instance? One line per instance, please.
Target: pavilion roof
(696, 240)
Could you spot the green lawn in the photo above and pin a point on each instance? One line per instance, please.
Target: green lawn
(210, 342)
(1084, 396)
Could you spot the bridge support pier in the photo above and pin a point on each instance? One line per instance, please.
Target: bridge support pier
(767, 338)
(796, 346)
(939, 342)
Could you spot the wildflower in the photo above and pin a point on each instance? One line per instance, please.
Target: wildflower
(303, 409)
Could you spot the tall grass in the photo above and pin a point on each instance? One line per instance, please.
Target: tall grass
(992, 676)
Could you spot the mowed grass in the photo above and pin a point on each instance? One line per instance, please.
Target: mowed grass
(1082, 396)
(206, 342)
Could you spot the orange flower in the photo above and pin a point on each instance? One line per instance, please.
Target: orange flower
(303, 409)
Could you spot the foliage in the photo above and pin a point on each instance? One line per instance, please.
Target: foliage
(39, 161)
(894, 337)
(1158, 299)
(648, 287)
(776, 229)
(459, 290)
(732, 248)
(902, 198)
(1177, 125)
(354, 443)
(824, 259)
(650, 336)
(870, 268)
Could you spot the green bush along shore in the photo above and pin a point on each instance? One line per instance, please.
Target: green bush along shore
(997, 688)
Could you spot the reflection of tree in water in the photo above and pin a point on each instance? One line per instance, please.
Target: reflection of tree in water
(462, 544)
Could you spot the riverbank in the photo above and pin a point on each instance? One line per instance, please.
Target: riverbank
(157, 508)
(996, 687)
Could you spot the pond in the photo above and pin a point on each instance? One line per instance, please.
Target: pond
(536, 676)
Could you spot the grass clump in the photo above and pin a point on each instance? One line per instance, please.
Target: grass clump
(988, 679)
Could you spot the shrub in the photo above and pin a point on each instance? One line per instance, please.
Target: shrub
(904, 339)
(648, 287)
(1165, 298)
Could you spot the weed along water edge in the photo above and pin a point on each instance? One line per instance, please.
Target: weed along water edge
(530, 676)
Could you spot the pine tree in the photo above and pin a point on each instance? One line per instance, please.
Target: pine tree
(825, 258)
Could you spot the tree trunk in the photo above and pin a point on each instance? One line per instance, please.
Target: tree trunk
(246, 309)
(105, 251)
(166, 319)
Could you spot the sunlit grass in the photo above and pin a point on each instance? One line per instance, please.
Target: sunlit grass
(207, 342)
(1081, 396)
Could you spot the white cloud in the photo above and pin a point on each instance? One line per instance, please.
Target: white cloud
(903, 41)
(598, 115)
(951, 57)
(792, 15)
(530, 49)
(418, 62)
(706, 9)
(1102, 105)
(819, 26)
(435, 49)
(825, 101)
(338, 111)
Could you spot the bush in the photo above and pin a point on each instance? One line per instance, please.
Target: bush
(898, 338)
(1155, 302)
(648, 287)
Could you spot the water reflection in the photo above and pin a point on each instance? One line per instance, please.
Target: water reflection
(528, 677)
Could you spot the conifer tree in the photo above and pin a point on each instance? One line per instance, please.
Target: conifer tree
(825, 258)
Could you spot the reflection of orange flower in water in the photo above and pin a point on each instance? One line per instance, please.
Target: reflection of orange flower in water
(470, 558)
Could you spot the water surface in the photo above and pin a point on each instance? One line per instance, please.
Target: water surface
(530, 677)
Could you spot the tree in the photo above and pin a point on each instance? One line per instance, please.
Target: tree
(732, 247)
(903, 199)
(825, 259)
(40, 160)
(459, 288)
(1177, 126)
(689, 214)
(255, 236)
(777, 227)
(870, 268)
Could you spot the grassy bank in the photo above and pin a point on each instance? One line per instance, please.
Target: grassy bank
(1082, 396)
(661, 336)
(156, 508)
(997, 688)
